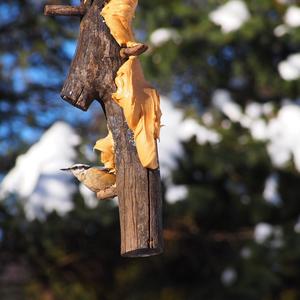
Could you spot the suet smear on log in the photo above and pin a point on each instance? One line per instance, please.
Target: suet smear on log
(106, 148)
(140, 102)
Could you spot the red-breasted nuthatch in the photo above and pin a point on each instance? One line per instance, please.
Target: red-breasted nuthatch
(95, 178)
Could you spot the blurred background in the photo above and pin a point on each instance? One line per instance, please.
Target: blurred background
(228, 73)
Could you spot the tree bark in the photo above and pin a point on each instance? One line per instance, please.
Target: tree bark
(138, 191)
(91, 76)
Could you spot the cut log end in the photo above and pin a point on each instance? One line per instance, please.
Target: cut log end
(146, 252)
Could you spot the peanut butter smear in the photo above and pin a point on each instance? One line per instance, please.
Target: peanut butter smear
(106, 147)
(140, 102)
(118, 15)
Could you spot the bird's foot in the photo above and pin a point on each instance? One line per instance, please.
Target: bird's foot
(107, 193)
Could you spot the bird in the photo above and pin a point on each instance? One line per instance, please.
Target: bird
(94, 178)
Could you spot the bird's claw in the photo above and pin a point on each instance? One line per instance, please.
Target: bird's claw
(107, 193)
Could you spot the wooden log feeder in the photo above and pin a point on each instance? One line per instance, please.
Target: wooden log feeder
(98, 72)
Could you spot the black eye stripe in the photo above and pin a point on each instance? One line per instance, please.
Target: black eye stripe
(80, 167)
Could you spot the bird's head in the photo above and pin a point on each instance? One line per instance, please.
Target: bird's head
(78, 170)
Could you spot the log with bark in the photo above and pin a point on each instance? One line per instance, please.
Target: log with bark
(92, 77)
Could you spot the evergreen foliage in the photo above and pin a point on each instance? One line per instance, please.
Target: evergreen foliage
(212, 250)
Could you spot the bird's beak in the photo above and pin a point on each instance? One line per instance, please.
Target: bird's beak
(66, 169)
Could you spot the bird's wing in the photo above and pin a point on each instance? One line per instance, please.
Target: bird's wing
(99, 180)
(102, 168)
